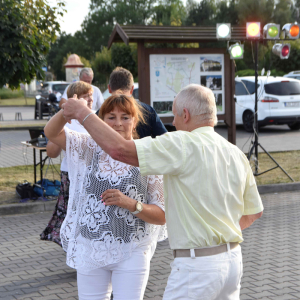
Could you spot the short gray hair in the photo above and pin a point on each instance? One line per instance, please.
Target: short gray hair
(86, 71)
(199, 101)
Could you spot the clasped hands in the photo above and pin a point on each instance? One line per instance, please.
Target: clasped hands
(75, 108)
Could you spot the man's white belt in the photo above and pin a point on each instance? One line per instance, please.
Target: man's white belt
(203, 251)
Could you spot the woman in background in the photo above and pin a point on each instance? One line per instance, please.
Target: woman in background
(52, 231)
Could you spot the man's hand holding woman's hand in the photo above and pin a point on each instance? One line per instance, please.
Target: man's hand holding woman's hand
(75, 108)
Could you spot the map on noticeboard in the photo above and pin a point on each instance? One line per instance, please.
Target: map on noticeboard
(169, 73)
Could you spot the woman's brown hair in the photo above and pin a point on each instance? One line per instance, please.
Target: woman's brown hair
(124, 103)
(79, 88)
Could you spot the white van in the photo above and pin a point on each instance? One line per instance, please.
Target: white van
(278, 101)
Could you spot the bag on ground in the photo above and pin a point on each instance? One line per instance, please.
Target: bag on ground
(26, 190)
(47, 187)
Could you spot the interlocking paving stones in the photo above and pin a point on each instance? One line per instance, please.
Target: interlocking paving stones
(33, 269)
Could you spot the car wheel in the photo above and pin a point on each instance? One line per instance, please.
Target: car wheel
(248, 120)
(294, 126)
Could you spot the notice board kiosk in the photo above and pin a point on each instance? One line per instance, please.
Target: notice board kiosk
(163, 72)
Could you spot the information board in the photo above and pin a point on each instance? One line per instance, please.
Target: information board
(169, 73)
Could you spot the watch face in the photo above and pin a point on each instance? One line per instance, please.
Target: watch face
(139, 206)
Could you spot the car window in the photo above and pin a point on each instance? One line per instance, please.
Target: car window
(240, 89)
(284, 88)
(135, 94)
(250, 86)
(59, 88)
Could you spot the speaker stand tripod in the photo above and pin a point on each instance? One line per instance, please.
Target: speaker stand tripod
(256, 143)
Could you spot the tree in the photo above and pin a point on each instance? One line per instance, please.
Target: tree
(27, 29)
(255, 10)
(283, 13)
(102, 65)
(124, 56)
(104, 14)
(226, 12)
(64, 44)
(202, 13)
(169, 12)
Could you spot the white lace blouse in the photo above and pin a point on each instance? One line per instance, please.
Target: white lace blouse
(95, 235)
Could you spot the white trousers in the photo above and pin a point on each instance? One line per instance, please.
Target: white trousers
(127, 279)
(216, 277)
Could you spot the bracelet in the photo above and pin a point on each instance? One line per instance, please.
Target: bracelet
(86, 117)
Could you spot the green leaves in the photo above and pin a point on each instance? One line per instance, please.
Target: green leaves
(27, 29)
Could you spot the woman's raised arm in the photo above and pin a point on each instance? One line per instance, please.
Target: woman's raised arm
(54, 130)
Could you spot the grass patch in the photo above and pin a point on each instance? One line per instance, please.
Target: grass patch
(289, 161)
(17, 101)
(10, 177)
(8, 93)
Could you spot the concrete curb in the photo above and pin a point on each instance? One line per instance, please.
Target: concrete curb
(25, 208)
(278, 188)
(42, 206)
(16, 105)
(20, 128)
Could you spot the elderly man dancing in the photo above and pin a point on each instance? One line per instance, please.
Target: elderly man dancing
(210, 192)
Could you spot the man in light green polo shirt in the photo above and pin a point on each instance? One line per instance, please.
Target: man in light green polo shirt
(210, 192)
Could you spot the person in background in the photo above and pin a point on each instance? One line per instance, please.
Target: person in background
(52, 230)
(114, 214)
(86, 75)
(122, 79)
(209, 189)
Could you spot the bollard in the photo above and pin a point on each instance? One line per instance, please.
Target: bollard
(1, 117)
(18, 116)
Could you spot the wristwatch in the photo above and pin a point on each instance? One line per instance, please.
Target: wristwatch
(138, 207)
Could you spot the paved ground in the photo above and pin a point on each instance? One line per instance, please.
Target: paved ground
(34, 269)
(9, 112)
(13, 153)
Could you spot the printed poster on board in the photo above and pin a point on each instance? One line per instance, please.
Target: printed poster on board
(169, 73)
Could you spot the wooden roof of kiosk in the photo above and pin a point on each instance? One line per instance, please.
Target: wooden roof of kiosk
(175, 34)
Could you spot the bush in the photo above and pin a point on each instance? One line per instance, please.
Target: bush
(9, 94)
(251, 72)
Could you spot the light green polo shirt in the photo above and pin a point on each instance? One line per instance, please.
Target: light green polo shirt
(208, 186)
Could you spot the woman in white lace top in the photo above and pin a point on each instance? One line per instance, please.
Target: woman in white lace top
(115, 216)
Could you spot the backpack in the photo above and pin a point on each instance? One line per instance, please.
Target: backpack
(26, 190)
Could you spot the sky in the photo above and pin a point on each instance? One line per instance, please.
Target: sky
(76, 12)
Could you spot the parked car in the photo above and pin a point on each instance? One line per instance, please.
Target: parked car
(294, 74)
(278, 101)
(55, 87)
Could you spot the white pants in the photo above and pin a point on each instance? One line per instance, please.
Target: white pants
(127, 279)
(216, 277)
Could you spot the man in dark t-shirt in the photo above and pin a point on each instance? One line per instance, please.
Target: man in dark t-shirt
(122, 80)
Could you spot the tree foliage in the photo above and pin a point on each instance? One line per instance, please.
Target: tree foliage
(168, 12)
(27, 28)
(102, 65)
(104, 14)
(64, 44)
(124, 56)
